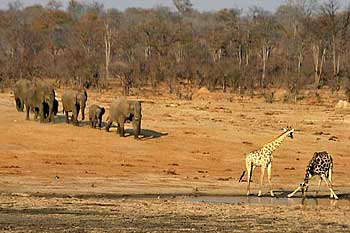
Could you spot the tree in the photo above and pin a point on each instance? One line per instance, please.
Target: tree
(183, 6)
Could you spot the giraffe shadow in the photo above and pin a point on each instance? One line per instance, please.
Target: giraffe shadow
(311, 195)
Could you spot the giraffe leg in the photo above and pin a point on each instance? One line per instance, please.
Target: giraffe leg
(319, 186)
(261, 180)
(330, 178)
(294, 192)
(269, 170)
(249, 176)
(330, 187)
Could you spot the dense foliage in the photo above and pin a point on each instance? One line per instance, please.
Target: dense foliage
(304, 43)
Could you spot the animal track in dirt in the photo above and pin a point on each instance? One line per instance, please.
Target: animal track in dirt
(170, 172)
(126, 165)
(206, 108)
(222, 109)
(321, 133)
(190, 133)
(11, 166)
(224, 179)
(173, 164)
(60, 163)
(271, 113)
(200, 171)
(333, 138)
(247, 143)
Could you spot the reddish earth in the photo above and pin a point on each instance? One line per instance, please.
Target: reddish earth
(58, 176)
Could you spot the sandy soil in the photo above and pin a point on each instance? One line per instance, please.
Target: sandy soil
(57, 177)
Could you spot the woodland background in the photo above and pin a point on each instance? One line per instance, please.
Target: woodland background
(303, 45)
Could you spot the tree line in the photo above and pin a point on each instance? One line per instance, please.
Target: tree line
(303, 44)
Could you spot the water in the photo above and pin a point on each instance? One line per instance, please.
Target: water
(251, 200)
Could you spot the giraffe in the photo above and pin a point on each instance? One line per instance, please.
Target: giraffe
(263, 158)
(320, 165)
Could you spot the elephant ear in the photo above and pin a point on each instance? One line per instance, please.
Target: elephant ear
(124, 108)
(103, 111)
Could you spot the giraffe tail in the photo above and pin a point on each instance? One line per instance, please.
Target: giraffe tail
(240, 178)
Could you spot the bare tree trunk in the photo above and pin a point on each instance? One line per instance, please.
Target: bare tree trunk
(318, 63)
(300, 60)
(265, 57)
(247, 57)
(323, 58)
(334, 56)
(108, 41)
(240, 56)
(287, 65)
(338, 68)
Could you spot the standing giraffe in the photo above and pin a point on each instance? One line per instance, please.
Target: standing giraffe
(263, 158)
(320, 165)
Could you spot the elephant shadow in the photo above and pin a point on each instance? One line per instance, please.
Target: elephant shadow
(145, 134)
(149, 134)
(59, 119)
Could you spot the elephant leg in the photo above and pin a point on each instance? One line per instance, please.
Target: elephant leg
(42, 113)
(21, 108)
(100, 122)
(108, 125)
(94, 122)
(27, 112)
(136, 128)
(82, 114)
(75, 117)
(36, 113)
(121, 129)
(51, 114)
(91, 122)
(67, 117)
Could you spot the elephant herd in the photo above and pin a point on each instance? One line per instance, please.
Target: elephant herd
(40, 98)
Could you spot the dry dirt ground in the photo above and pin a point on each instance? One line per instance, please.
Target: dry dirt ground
(63, 178)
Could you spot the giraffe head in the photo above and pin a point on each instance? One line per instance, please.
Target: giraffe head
(289, 130)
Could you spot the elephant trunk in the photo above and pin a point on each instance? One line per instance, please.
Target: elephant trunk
(19, 105)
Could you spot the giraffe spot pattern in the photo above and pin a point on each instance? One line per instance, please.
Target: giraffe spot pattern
(320, 164)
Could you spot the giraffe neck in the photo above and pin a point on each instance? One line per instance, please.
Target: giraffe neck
(276, 143)
(309, 169)
(306, 178)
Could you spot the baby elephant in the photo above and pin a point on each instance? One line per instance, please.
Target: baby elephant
(95, 114)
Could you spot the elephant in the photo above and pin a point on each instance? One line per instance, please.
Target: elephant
(95, 115)
(74, 101)
(38, 97)
(20, 92)
(50, 103)
(46, 109)
(122, 110)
